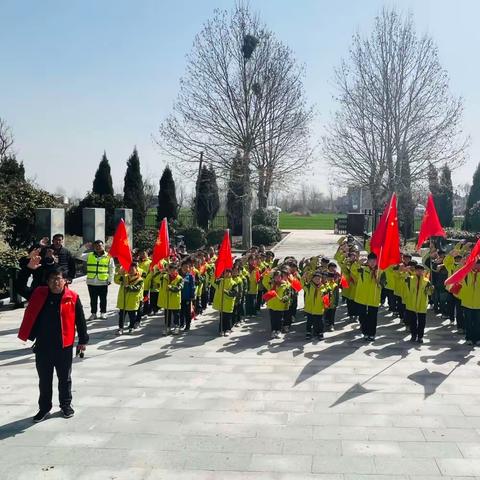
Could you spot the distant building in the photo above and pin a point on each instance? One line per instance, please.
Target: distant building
(359, 199)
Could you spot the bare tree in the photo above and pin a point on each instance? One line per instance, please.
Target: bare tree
(242, 91)
(394, 101)
(6, 139)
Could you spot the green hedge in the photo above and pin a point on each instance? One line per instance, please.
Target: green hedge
(263, 235)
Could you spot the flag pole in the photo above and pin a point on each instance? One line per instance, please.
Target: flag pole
(221, 305)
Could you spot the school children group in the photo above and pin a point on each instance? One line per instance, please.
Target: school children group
(410, 288)
(180, 288)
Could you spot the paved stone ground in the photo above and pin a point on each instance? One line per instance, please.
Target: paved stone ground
(245, 407)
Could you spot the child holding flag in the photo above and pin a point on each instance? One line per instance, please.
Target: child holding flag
(278, 301)
(130, 294)
(169, 298)
(314, 305)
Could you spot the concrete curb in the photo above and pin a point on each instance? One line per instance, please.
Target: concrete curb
(281, 241)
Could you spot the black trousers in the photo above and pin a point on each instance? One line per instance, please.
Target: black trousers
(204, 297)
(186, 314)
(250, 304)
(132, 315)
(387, 294)
(352, 307)
(329, 317)
(472, 324)
(459, 314)
(98, 292)
(276, 317)
(315, 322)
(368, 319)
(225, 322)
(46, 361)
(417, 323)
(173, 317)
(152, 303)
(293, 306)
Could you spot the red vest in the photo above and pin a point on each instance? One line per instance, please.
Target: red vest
(67, 314)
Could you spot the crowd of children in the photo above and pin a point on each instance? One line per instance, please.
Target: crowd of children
(180, 288)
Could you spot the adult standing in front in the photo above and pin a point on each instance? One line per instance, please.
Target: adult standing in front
(63, 257)
(53, 314)
(100, 273)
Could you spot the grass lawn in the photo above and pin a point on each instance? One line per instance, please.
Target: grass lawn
(317, 221)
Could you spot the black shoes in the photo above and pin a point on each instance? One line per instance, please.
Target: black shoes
(67, 411)
(40, 416)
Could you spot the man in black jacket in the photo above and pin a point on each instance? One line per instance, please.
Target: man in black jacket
(62, 256)
(53, 314)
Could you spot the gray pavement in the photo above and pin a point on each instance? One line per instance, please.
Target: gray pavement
(203, 407)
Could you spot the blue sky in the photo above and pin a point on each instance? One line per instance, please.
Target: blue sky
(81, 77)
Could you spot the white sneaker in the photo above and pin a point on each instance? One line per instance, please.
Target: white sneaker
(277, 334)
(274, 333)
(103, 316)
(93, 316)
(120, 331)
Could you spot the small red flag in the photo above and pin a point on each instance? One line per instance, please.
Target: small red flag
(344, 282)
(120, 248)
(326, 300)
(460, 274)
(431, 226)
(269, 295)
(296, 284)
(224, 259)
(258, 275)
(161, 249)
(390, 250)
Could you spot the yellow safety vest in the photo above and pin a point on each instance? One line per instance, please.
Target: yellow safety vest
(97, 267)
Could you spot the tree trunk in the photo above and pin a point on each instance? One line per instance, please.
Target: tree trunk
(246, 204)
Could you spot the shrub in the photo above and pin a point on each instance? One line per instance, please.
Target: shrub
(263, 235)
(474, 217)
(144, 239)
(215, 237)
(262, 216)
(9, 265)
(194, 237)
(460, 234)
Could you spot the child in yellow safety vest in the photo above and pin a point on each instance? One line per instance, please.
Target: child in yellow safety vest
(416, 293)
(130, 294)
(278, 301)
(169, 297)
(224, 301)
(314, 293)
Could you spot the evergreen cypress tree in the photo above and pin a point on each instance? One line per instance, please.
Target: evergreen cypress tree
(202, 199)
(433, 184)
(445, 197)
(214, 196)
(472, 217)
(102, 183)
(133, 194)
(11, 171)
(167, 198)
(235, 194)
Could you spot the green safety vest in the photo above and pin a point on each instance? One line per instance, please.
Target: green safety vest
(97, 267)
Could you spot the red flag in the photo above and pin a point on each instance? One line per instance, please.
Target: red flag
(224, 259)
(378, 236)
(431, 226)
(269, 295)
(258, 276)
(390, 250)
(326, 300)
(460, 274)
(120, 248)
(296, 284)
(161, 249)
(344, 282)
